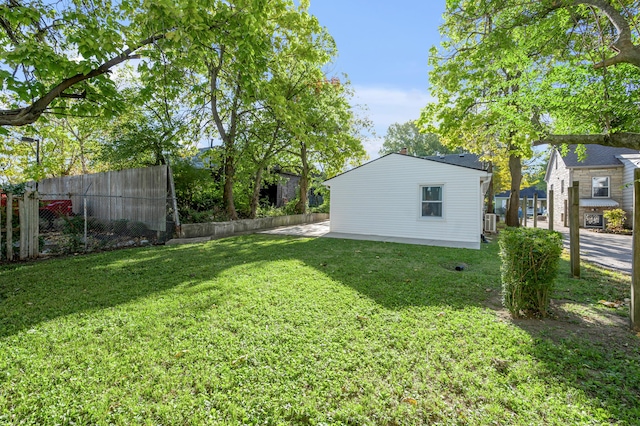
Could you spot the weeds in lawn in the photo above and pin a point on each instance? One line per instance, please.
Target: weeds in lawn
(278, 330)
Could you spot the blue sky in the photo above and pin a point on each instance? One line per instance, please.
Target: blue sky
(383, 48)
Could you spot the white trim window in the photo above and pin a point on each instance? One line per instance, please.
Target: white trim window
(600, 187)
(431, 204)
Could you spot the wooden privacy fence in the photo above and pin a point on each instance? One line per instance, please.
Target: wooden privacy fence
(29, 222)
(138, 195)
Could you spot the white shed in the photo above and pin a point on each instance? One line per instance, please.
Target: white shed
(410, 199)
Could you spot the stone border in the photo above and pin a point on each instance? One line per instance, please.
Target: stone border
(225, 229)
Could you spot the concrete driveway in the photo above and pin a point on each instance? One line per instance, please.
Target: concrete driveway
(609, 250)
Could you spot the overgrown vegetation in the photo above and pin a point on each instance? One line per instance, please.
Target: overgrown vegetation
(277, 330)
(530, 258)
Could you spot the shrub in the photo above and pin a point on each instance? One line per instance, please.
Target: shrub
(95, 225)
(615, 219)
(137, 229)
(530, 259)
(119, 226)
(73, 230)
(269, 211)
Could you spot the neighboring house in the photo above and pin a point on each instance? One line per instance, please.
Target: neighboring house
(283, 191)
(502, 199)
(602, 176)
(278, 194)
(418, 200)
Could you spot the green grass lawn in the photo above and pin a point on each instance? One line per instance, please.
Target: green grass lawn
(277, 330)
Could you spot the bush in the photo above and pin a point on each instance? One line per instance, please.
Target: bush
(119, 226)
(269, 211)
(73, 230)
(530, 259)
(137, 229)
(615, 219)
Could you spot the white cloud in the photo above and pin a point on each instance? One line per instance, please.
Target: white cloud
(387, 106)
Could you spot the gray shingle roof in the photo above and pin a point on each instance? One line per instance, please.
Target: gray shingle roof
(528, 192)
(597, 156)
(465, 160)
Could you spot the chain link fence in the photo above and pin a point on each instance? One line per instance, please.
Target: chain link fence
(73, 224)
(87, 213)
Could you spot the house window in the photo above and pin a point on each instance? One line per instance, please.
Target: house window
(431, 202)
(600, 187)
(562, 186)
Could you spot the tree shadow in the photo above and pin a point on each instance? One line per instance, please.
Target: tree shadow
(392, 275)
(588, 347)
(578, 346)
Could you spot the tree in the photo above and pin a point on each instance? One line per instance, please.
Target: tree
(482, 98)
(156, 123)
(326, 136)
(229, 47)
(587, 56)
(56, 53)
(408, 135)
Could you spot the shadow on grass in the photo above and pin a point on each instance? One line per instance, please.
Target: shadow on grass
(580, 347)
(392, 275)
(588, 346)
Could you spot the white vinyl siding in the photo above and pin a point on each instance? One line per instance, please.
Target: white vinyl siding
(383, 198)
(631, 162)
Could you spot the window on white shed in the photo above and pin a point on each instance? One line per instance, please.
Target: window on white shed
(600, 187)
(431, 201)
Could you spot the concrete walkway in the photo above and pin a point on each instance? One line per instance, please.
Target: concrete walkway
(321, 229)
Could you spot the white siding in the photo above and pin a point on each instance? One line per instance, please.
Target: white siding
(631, 162)
(383, 198)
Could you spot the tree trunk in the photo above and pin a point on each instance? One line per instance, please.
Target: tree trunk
(255, 197)
(227, 193)
(301, 205)
(228, 137)
(515, 168)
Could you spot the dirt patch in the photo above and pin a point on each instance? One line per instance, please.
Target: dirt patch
(569, 320)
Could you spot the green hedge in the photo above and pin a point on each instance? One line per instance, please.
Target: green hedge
(530, 259)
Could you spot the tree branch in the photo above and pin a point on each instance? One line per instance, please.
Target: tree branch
(617, 140)
(623, 45)
(31, 113)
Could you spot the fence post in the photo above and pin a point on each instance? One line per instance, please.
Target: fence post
(9, 226)
(29, 224)
(84, 215)
(574, 229)
(34, 226)
(634, 308)
(535, 210)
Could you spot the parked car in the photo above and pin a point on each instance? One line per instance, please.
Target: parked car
(49, 210)
(541, 211)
